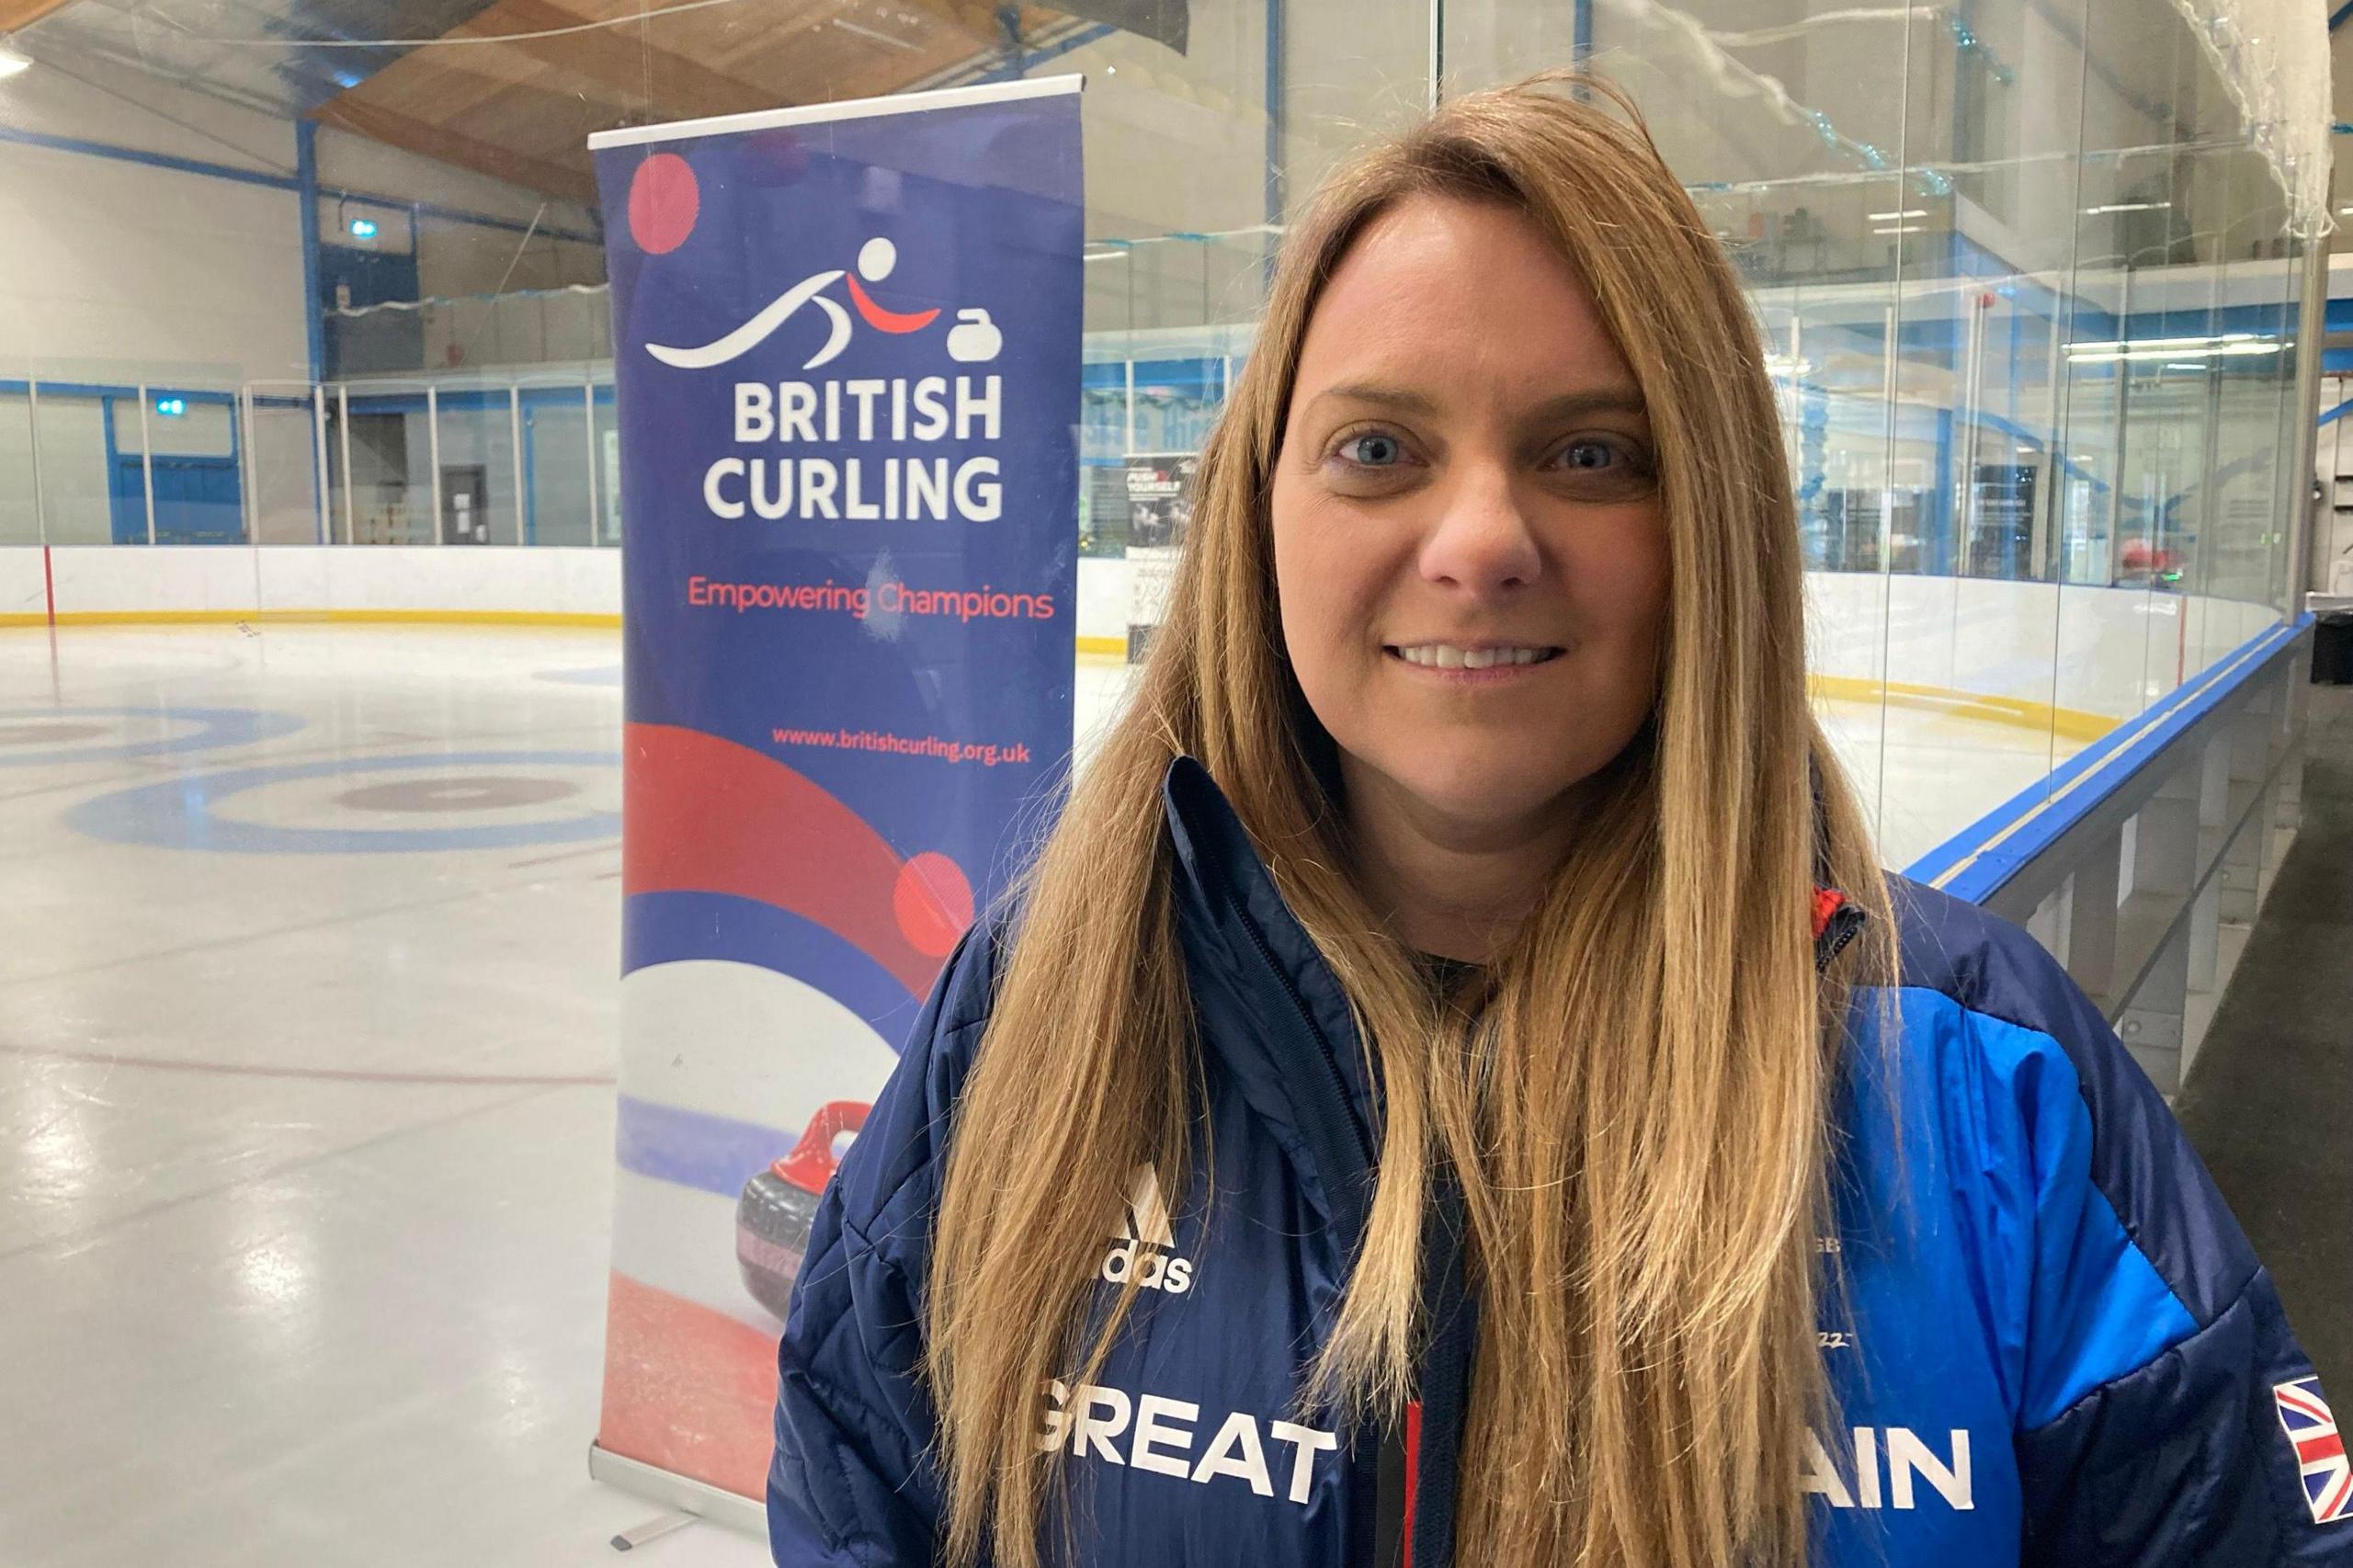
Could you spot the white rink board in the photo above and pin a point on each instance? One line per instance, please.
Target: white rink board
(2089, 649)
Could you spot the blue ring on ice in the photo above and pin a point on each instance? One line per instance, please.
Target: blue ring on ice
(177, 813)
(216, 727)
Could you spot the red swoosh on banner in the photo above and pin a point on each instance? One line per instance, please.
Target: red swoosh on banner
(887, 321)
(688, 1388)
(703, 814)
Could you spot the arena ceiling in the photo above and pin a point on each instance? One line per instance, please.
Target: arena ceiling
(513, 88)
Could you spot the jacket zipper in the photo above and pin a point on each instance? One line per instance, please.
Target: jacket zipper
(1428, 1502)
(1333, 1079)
(1362, 1498)
(1445, 1371)
(1847, 922)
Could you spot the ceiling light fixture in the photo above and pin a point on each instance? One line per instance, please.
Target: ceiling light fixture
(11, 62)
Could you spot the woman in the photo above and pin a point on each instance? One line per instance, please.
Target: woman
(1458, 1087)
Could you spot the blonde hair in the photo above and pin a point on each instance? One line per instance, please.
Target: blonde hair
(1639, 1116)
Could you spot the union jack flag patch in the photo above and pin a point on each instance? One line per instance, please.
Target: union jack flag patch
(2320, 1452)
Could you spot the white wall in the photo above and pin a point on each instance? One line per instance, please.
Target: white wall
(313, 580)
(22, 590)
(446, 579)
(103, 101)
(354, 163)
(122, 272)
(111, 579)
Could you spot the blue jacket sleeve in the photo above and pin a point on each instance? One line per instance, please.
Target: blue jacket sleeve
(852, 1480)
(2149, 1432)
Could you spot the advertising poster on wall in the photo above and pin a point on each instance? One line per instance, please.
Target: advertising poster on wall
(847, 347)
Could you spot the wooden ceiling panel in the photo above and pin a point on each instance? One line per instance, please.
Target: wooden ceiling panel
(523, 109)
(637, 71)
(390, 126)
(15, 14)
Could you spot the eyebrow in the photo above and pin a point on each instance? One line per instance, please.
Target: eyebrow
(1612, 399)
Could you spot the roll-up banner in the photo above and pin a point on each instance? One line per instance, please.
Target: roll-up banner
(846, 353)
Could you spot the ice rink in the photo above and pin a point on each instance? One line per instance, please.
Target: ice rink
(306, 1083)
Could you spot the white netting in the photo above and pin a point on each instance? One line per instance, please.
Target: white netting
(2273, 58)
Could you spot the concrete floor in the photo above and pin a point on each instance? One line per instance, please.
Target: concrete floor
(307, 1043)
(2269, 1101)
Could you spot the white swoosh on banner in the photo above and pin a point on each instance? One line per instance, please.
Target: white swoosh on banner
(840, 338)
(753, 332)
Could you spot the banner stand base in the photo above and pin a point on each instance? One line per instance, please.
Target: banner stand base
(696, 1497)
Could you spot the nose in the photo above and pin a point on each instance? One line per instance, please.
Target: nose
(1481, 541)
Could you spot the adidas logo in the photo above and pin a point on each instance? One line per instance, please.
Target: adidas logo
(1144, 1236)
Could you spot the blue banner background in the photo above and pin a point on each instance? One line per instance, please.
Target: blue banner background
(983, 203)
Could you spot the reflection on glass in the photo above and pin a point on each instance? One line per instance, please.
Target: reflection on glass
(2025, 290)
(2023, 275)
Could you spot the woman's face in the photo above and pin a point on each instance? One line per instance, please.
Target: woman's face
(1469, 545)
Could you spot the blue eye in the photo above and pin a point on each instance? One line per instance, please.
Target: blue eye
(1372, 450)
(1604, 469)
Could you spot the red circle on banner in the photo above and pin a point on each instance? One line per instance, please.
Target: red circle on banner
(663, 203)
(933, 902)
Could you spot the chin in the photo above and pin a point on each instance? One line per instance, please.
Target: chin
(1475, 792)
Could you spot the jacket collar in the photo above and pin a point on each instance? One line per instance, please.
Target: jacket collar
(1240, 935)
(1289, 1037)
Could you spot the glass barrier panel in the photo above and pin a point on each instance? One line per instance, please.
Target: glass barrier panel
(474, 451)
(607, 423)
(562, 454)
(19, 485)
(81, 470)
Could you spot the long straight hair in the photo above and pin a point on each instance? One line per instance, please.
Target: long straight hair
(1639, 1111)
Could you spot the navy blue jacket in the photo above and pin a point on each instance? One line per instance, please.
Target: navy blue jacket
(2060, 1349)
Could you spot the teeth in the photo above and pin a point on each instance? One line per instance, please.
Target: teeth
(1447, 656)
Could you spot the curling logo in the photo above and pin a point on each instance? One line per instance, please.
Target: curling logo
(1145, 1234)
(974, 340)
(860, 449)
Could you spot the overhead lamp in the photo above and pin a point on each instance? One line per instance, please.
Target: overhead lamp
(2110, 354)
(11, 62)
(2151, 346)
(1897, 217)
(2127, 207)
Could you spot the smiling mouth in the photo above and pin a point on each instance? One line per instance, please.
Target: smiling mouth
(1472, 656)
